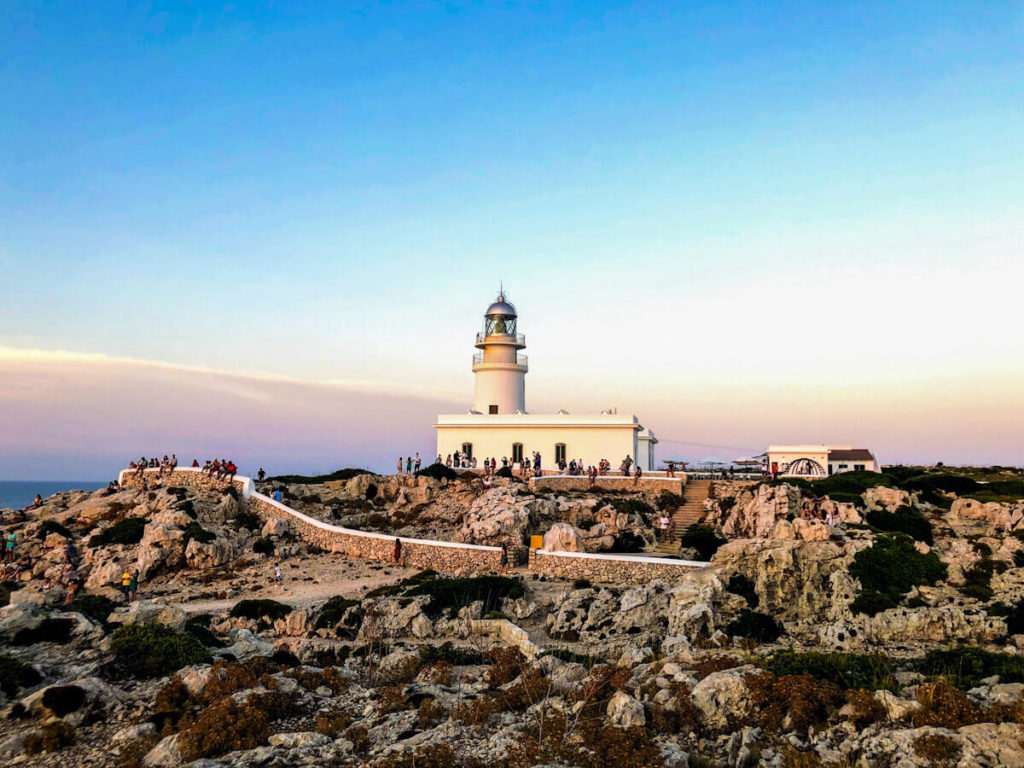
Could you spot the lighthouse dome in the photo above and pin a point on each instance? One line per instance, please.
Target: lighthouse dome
(501, 307)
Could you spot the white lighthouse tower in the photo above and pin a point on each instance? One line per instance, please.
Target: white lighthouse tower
(500, 370)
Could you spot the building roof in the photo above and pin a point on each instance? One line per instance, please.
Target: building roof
(501, 306)
(850, 454)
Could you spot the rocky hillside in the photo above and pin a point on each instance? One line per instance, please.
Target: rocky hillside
(892, 637)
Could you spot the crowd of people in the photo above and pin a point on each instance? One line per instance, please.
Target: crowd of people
(410, 464)
(222, 469)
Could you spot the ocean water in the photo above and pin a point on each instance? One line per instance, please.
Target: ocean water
(15, 494)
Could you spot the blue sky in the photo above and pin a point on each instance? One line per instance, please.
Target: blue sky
(332, 194)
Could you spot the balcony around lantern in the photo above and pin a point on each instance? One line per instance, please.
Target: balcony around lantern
(501, 338)
(521, 360)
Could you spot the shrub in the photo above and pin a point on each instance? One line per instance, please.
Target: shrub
(96, 607)
(263, 547)
(333, 611)
(711, 664)
(703, 539)
(849, 482)
(966, 666)
(628, 542)
(50, 738)
(798, 700)
(847, 670)
(904, 520)
(667, 500)
(341, 474)
(867, 709)
(15, 675)
(940, 482)
(848, 498)
(154, 650)
(437, 471)
(937, 748)
(869, 602)
(458, 657)
(744, 587)
(1005, 491)
(755, 625)
(260, 609)
(202, 633)
(451, 594)
(127, 531)
(200, 534)
(581, 584)
(50, 630)
(333, 722)
(248, 520)
(892, 566)
(225, 726)
(943, 706)
(64, 699)
(52, 526)
(572, 657)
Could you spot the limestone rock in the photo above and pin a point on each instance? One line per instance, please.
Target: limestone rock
(562, 537)
(724, 694)
(148, 612)
(299, 740)
(166, 754)
(624, 711)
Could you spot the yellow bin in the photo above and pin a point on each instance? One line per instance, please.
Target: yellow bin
(536, 542)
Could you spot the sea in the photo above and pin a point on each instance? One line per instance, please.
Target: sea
(16, 494)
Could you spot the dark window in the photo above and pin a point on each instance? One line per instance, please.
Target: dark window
(517, 452)
(467, 450)
(559, 453)
(858, 467)
(492, 409)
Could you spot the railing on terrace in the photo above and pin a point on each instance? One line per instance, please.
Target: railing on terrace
(522, 360)
(698, 474)
(518, 338)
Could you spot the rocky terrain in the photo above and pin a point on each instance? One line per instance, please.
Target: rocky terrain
(892, 637)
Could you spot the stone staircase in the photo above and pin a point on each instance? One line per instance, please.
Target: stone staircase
(691, 511)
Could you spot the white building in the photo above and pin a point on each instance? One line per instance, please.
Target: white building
(499, 426)
(811, 461)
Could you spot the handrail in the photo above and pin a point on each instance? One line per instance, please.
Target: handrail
(522, 360)
(499, 338)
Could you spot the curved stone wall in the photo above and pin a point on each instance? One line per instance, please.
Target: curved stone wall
(611, 569)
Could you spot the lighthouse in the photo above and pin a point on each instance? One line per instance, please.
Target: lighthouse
(498, 368)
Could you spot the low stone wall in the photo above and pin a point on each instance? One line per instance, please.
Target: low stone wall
(185, 477)
(611, 569)
(607, 483)
(441, 556)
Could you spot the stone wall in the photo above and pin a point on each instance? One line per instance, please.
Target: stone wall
(441, 556)
(647, 484)
(611, 569)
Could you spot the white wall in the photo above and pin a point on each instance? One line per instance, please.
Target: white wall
(504, 387)
(591, 444)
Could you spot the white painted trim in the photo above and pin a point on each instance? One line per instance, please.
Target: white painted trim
(625, 559)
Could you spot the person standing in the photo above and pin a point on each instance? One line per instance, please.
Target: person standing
(278, 576)
(261, 475)
(503, 563)
(416, 462)
(398, 551)
(399, 465)
(408, 465)
(126, 582)
(12, 540)
(133, 585)
(637, 474)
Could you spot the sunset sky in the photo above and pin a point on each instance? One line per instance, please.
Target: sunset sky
(269, 231)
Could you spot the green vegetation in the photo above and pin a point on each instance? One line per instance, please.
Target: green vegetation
(1005, 491)
(333, 611)
(667, 500)
(977, 580)
(756, 626)
(263, 547)
(95, 607)
(127, 531)
(49, 630)
(437, 471)
(200, 534)
(889, 569)
(341, 474)
(201, 632)
(52, 526)
(63, 699)
(154, 650)
(260, 610)
(457, 657)
(966, 667)
(16, 675)
(248, 520)
(1015, 618)
(847, 670)
(571, 657)
(396, 589)
(703, 539)
(629, 506)
(744, 587)
(452, 594)
(904, 520)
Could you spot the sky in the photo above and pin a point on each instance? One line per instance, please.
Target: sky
(269, 230)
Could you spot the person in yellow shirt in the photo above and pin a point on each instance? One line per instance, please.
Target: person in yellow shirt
(126, 581)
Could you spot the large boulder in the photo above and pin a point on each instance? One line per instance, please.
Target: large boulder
(201, 555)
(562, 537)
(624, 711)
(889, 499)
(724, 695)
(148, 612)
(501, 515)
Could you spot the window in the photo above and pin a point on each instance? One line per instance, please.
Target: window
(559, 453)
(492, 409)
(517, 452)
(858, 467)
(467, 450)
